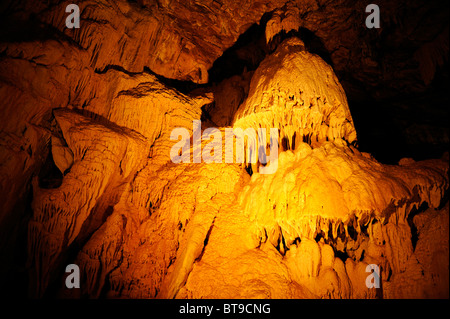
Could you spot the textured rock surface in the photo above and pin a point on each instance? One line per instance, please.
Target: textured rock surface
(104, 158)
(299, 94)
(86, 175)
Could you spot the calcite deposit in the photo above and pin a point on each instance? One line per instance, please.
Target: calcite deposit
(86, 137)
(298, 93)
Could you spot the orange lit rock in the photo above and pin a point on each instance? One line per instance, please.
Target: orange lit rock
(298, 93)
(105, 156)
(85, 146)
(428, 264)
(62, 155)
(304, 259)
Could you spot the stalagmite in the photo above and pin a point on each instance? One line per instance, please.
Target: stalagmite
(303, 97)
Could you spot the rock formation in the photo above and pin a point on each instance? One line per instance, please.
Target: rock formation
(85, 143)
(299, 94)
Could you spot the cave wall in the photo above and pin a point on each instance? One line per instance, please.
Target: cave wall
(86, 176)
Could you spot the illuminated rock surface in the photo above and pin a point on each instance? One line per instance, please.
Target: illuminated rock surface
(87, 179)
(299, 94)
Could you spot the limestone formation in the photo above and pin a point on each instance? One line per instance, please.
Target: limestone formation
(87, 176)
(303, 98)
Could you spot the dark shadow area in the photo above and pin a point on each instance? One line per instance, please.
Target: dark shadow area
(50, 176)
(184, 87)
(13, 249)
(314, 44)
(13, 30)
(246, 54)
(414, 232)
(410, 125)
